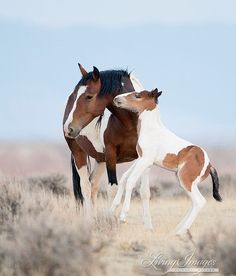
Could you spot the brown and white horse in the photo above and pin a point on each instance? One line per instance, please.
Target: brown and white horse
(158, 145)
(115, 141)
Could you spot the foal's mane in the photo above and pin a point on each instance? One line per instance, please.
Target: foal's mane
(110, 81)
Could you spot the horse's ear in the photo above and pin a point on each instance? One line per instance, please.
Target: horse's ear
(156, 94)
(82, 70)
(96, 73)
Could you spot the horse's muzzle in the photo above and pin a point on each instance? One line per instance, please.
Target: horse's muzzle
(72, 132)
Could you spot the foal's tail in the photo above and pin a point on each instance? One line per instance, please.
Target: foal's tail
(216, 184)
(76, 182)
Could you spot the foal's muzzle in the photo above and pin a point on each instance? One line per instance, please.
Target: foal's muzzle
(117, 102)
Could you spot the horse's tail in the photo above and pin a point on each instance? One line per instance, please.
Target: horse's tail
(216, 184)
(76, 182)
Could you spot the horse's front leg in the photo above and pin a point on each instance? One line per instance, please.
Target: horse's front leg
(85, 189)
(140, 166)
(110, 156)
(95, 179)
(81, 183)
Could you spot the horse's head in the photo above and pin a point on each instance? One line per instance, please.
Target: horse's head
(82, 106)
(138, 102)
(94, 92)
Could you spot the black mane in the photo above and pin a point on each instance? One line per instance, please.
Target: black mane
(110, 81)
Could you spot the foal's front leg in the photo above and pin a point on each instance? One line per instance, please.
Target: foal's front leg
(121, 187)
(145, 197)
(140, 166)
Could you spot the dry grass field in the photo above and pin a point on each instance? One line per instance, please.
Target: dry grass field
(42, 232)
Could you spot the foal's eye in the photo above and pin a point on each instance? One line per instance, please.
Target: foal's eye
(137, 96)
(88, 97)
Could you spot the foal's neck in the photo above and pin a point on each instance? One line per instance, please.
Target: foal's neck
(151, 118)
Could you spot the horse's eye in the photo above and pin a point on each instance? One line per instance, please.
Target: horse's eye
(88, 97)
(137, 96)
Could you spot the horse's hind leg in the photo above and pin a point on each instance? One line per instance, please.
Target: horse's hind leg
(145, 196)
(198, 201)
(95, 179)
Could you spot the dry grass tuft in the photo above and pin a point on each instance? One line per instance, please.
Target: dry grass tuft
(46, 247)
(105, 222)
(56, 183)
(10, 202)
(216, 248)
(44, 234)
(219, 244)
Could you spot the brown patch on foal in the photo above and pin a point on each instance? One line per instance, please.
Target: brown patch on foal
(207, 172)
(193, 159)
(170, 161)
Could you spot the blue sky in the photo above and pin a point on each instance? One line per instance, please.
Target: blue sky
(185, 48)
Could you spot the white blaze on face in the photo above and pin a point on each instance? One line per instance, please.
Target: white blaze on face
(70, 117)
(123, 96)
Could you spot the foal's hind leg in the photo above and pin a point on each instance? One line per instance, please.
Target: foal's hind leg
(198, 201)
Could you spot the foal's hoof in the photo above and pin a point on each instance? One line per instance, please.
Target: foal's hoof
(122, 218)
(149, 230)
(148, 227)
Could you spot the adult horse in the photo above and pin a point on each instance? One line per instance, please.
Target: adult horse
(114, 142)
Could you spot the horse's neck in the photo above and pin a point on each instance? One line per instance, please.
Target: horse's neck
(127, 118)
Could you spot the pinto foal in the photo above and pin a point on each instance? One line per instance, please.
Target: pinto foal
(158, 145)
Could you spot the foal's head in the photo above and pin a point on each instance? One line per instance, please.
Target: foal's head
(138, 102)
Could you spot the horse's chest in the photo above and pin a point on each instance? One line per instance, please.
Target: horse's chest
(126, 151)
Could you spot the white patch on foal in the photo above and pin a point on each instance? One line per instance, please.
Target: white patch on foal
(69, 119)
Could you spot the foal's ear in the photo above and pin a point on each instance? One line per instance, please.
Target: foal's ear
(96, 73)
(82, 70)
(156, 94)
